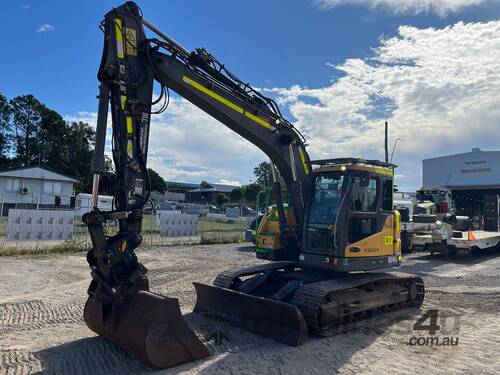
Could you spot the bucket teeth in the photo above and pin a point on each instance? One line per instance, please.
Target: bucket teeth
(150, 326)
(279, 321)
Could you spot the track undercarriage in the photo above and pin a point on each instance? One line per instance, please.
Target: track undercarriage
(284, 302)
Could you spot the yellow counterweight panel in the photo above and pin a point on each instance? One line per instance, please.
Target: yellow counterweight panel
(378, 244)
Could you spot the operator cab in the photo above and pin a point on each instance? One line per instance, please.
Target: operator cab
(350, 214)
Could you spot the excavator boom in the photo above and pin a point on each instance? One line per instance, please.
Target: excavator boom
(282, 300)
(130, 64)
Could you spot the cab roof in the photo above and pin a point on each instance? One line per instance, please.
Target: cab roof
(346, 161)
(339, 164)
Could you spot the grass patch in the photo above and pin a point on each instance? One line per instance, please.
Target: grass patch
(66, 247)
(220, 238)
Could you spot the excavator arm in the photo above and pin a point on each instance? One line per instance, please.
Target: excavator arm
(280, 300)
(130, 64)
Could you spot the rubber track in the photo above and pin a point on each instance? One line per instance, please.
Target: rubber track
(309, 298)
(226, 278)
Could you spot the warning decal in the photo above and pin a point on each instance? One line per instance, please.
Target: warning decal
(130, 41)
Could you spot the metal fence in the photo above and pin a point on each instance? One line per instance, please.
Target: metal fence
(211, 228)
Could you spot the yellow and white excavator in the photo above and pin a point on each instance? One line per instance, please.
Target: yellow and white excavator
(340, 220)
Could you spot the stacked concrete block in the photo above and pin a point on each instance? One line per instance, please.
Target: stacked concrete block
(39, 225)
(178, 225)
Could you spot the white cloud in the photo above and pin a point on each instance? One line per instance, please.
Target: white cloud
(228, 182)
(45, 28)
(188, 145)
(440, 7)
(26, 7)
(438, 88)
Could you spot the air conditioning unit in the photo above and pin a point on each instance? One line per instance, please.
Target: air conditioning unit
(25, 190)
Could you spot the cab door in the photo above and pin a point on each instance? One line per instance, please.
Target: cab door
(368, 229)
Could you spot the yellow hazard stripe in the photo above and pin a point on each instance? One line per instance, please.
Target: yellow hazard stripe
(212, 94)
(129, 147)
(258, 120)
(119, 38)
(303, 159)
(129, 124)
(123, 100)
(226, 102)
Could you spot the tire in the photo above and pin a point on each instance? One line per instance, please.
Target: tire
(405, 243)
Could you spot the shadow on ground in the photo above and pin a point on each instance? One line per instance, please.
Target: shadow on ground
(246, 249)
(237, 352)
(422, 263)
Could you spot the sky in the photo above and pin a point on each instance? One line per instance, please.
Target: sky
(338, 68)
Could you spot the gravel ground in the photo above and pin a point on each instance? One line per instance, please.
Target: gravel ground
(41, 329)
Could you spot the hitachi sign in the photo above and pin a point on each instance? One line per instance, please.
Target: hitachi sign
(476, 166)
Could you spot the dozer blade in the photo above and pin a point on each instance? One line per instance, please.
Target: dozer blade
(151, 327)
(277, 320)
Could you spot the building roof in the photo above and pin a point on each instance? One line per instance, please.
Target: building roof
(36, 172)
(182, 185)
(474, 151)
(206, 187)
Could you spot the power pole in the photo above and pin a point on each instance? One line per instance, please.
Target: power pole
(385, 143)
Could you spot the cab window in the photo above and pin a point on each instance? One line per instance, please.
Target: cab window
(387, 195)
(327, 198)
(363, 194)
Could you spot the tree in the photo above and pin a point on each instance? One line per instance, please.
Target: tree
(80, 138)
(221, 199)
(236, 195)
(205, 184)
(251, 192)
(26, 117)
(157, 182)
(4, 131)
(263, 173)
(56, 142)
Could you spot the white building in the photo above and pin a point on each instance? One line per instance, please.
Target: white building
(33, 187)
(469, 176)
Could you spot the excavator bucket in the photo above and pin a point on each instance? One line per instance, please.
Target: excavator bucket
(277, 320)
(151, 327)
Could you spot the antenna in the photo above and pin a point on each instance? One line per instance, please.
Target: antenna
(394, 148)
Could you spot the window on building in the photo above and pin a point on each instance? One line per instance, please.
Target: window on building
(13, 184)
(57, 189)
(48, 186)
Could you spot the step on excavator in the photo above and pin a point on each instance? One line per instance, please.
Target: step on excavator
(338, 226)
